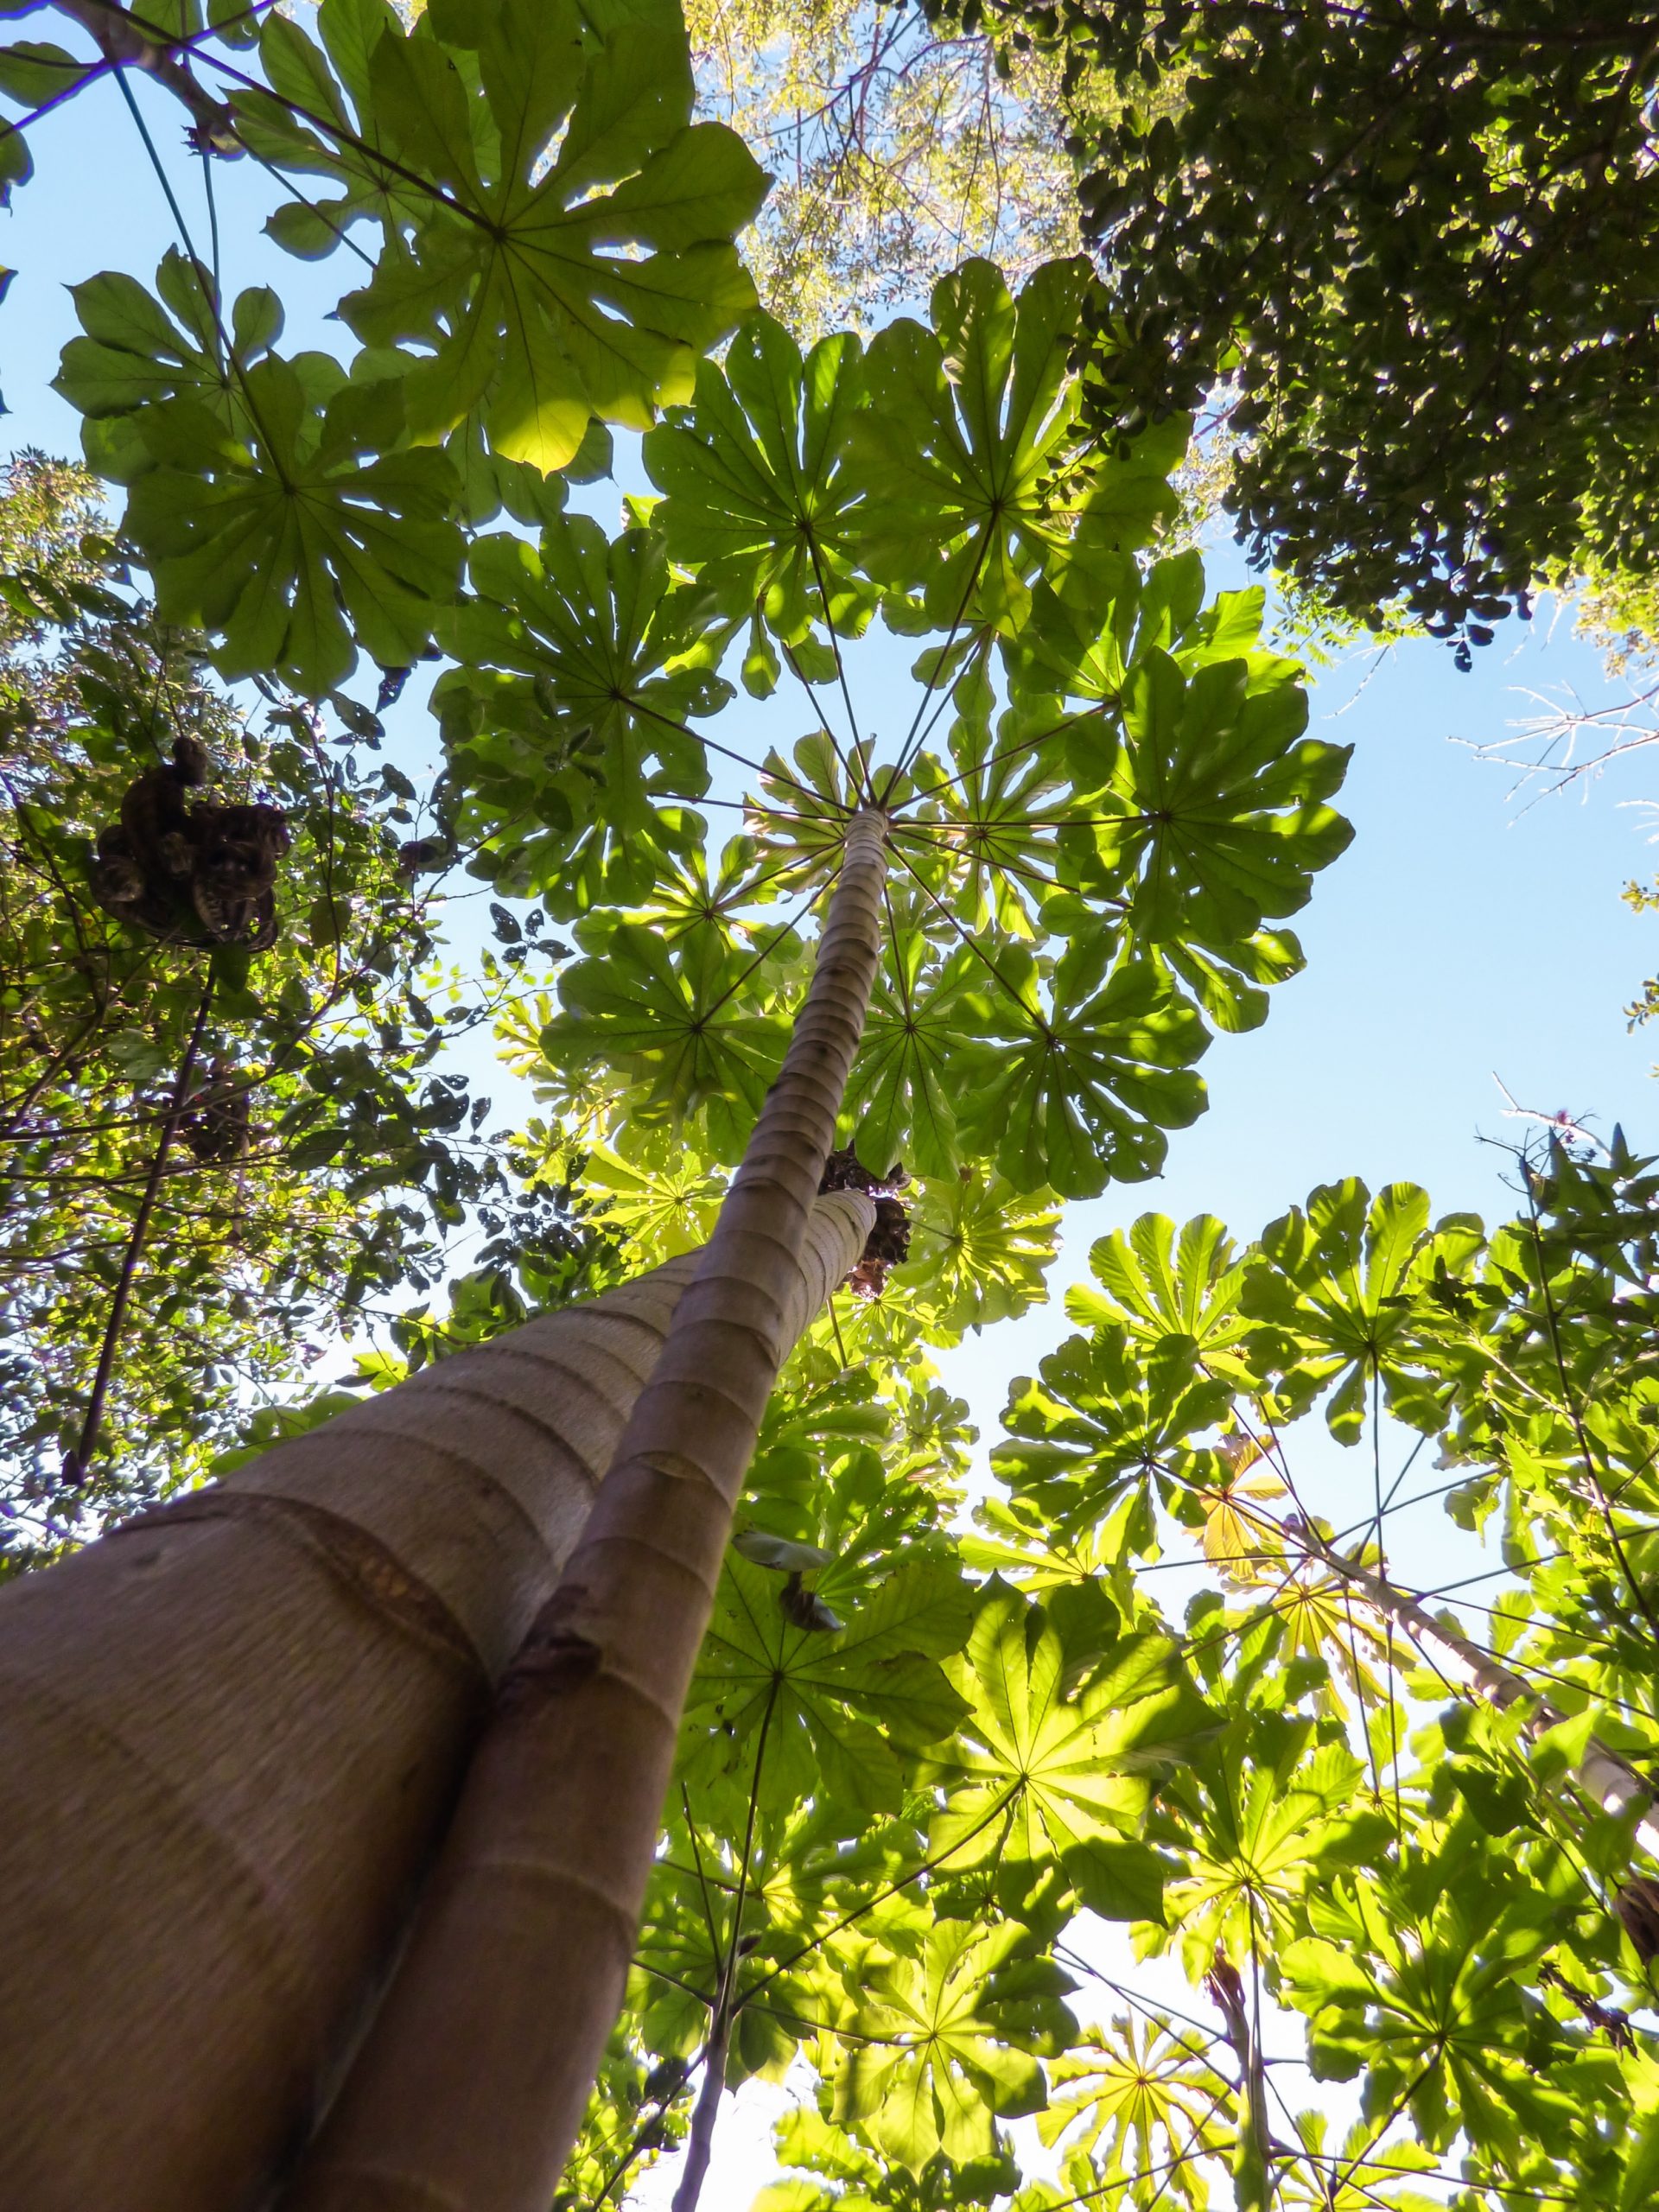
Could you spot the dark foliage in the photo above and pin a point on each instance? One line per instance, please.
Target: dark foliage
(1422, 242)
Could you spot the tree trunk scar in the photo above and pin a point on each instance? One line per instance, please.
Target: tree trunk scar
(367, 1569)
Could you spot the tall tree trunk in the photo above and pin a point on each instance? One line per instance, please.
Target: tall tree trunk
(1601, 1773)
(470, 2089)
(230, 1733)
(700, 2142)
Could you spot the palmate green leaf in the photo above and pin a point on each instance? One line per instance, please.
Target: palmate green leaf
(679, 1026)
(859, 1476)
(1082, 1096)
(856, 2179)
(758, 490)
(948, 2041)
(1418, 1980)
(677, 1961)
(1157, 1285)
(1641, 2184)
(800, 813)
(807, 1431)
(1214, 808)
(899, 1102)
(963, 449)
(1268, 1827)
(691, 892)
(132, 350)
(580, 664)
(138, 347)
(1148, 2088)
(1097, 1436)
(843, 1713)
(1182, 1291)
(569, 252)
(1128, 503)
(285, 539)
(664, 1199)
(1094, 622)
(1062, 651)
(980, 1251)
(1337, 1282)
(825, 1480)
(1040, 1779)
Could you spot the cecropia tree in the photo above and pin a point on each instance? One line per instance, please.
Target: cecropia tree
(1157, 815)
(1124, 808)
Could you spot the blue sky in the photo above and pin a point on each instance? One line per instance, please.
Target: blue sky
(1459, 937)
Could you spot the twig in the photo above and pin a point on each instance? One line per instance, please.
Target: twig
(122, 42)
(75, 1463)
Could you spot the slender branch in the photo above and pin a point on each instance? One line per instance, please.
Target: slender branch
(1552, 1323)
(906, 749)
(126, 41)
(77, 1462)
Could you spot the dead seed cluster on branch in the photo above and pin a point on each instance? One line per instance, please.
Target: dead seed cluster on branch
(888, 1243)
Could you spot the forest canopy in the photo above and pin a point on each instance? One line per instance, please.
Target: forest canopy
(1418, 245)
(544, 1550)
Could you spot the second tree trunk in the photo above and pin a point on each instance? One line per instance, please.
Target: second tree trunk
(470, 2090)
(231, 1732)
